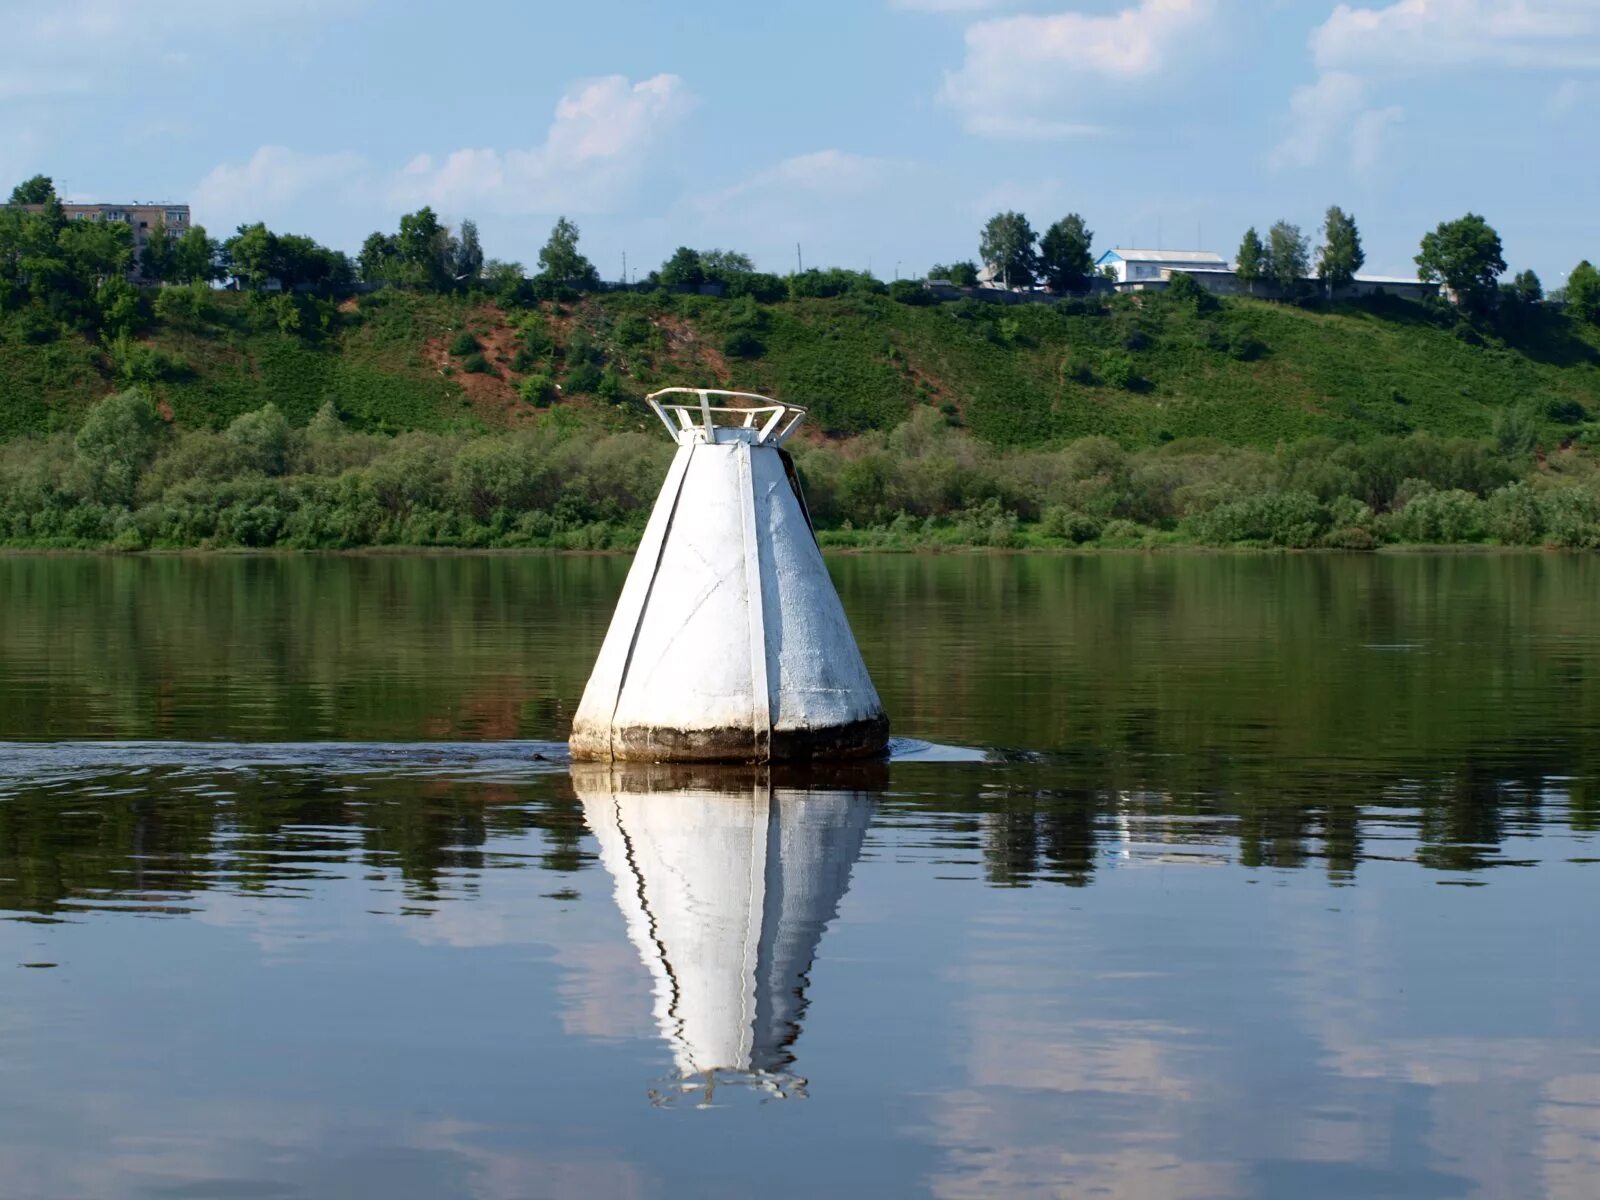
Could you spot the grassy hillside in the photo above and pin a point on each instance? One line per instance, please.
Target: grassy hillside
(1141, 371)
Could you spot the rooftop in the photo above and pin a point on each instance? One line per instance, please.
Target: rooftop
(1166, 256)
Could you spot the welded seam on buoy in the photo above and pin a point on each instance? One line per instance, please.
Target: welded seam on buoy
(760, 697)
(644, 607)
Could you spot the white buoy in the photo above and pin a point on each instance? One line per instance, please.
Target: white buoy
(726, 884)
(729, 642)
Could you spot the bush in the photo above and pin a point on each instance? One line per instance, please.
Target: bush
(741, 343)
(1186, 289)
(263, 440)
(908, 291)
(1514, 516)
(1441, 518)
(1075, 527)
(987, 524)
(1571, 518)
(538, 390)
(115, 444)
(759, 286)
(1117, 369)
(476, 364)
(1293, 520)
(583, 379)
(463, 344)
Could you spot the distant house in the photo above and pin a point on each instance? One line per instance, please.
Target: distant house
(1135, 266)
(1225, 282)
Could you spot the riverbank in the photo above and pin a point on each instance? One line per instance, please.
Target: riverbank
(128, 480)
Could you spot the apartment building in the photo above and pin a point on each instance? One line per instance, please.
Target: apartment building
(144, 218)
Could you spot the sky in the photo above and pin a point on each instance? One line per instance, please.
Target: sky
(873, 134)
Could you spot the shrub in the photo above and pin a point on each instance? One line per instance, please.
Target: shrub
(1247, 348)
(1439, 517)
(1117, 369)
(909, 291)
(1075, 527)
(464, 343)
(118, 438)
(538, 390)
(1571, 518)
(1514, 515)
(476, 364)
(1121, 534)
(1293, 520)
(263, 440)
(1349, 538)
(759, 286)
(1186, 289)
(612, 386)
(741, 343)
(584, 379)
(986, 524)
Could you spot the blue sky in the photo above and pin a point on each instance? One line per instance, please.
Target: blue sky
(876, 132)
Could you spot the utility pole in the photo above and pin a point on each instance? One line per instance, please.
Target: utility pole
(799, 264)
(624, 268)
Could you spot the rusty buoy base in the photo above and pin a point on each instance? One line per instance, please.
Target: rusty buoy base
(867, 738)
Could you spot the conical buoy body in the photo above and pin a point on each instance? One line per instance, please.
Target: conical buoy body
(729, 643)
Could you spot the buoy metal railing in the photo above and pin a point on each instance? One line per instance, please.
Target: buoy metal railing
(770, 421)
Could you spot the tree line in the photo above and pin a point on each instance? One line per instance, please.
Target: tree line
(126, 478)
(1465, 255)
(77, 270)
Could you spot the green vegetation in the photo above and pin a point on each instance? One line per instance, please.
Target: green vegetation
(128, 481)
(187, 415)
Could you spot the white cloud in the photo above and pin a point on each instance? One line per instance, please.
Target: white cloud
(1357, 48)
(272, 181)
(816, 198)
(943, 6)
(1568, 95)
(100, 45)
(599, 142)
(832, 174)
(1427, 35)
(1330, 114)
(1029, 76)
(1370, 134)
(598, 146)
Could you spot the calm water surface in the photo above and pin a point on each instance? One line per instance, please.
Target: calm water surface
(1278, 877)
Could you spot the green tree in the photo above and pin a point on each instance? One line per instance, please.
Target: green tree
(1583, 292)
(1288, 255)
(1526, 288)
(157, 260)
(467, 264)
(378, 255)
(116, 442)
(1251, 265)
(1341, 255)
(683, 270)
(560, 261)
(1007, 244)
(194, 256)
(252, 254)
(39, 190)
(1064, 255)
(423, 250)
(962, 274)
(722, 265)
(1466, 256)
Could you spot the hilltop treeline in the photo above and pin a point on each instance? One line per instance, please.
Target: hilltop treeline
(127, 480)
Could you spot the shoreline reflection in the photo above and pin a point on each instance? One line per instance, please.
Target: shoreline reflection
(726, 879)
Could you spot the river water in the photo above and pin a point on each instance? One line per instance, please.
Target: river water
(1190, 877)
